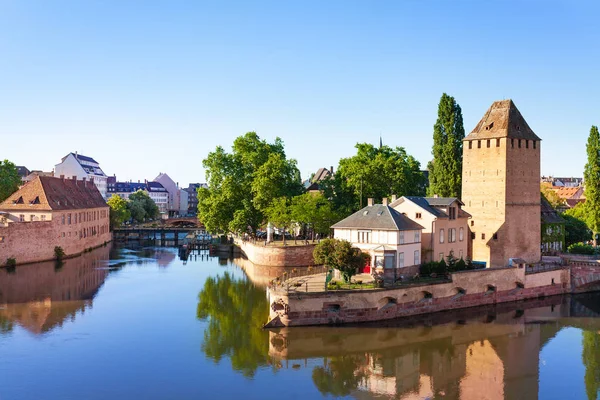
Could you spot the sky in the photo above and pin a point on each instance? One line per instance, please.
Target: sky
(153, 86)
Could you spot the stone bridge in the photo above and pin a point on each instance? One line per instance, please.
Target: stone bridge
(585, 276)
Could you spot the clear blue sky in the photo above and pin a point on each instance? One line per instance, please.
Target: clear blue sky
(147, 87)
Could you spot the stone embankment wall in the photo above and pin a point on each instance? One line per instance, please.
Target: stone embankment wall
(467, 289)
(277, 256)
(29, 242)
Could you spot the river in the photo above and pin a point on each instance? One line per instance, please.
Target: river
(139, 323)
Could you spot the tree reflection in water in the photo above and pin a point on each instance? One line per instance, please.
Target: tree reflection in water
(591, 360)
(236, 311)
(340, 376)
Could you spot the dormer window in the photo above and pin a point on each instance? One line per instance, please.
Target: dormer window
(19, 200)
(35, 201)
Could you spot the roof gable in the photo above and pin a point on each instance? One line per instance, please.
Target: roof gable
(502, 119)
(378, 217)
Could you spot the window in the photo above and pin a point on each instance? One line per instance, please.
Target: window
(63, 219)
(479, 144)
(32, 218)
(497, 142)
(75, 218)
(21, 218)
(534, 144)
(451, 235)
(495, 237)
(441, 236)
(472, 223)
(417, 236)
(483, 236)
(441, 256)
(452, 212)
(400, 260)
(363, 236)
(417, 257)
(43, 217)
(63, 234)
(470, 144)
(526, 144)
(488, 143)
(418, 215)
(512, 143)
(519, 143)
(401, 237)
(461, 234)
(473, 235)
(390, 261)
(69, 218)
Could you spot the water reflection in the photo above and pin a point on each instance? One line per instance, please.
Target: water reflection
(483, 353)
(41, 296)
(236, 310)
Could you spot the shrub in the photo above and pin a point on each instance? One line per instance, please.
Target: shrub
(59, 253)
(460, 265)
(580, 248)
(11, 262)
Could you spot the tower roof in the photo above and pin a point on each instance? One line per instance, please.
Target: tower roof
(502, 119)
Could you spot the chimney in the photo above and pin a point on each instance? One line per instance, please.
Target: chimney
(83, 179)
(370, 201)
(394, 198)
(384, 201)
(62, 177)
(138, 181)
(331, 170)
(74, 177)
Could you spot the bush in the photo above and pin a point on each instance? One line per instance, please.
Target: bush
(580, 248)
(11, 262)
(59, 253)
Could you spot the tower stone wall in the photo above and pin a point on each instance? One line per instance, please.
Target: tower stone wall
(501, 187)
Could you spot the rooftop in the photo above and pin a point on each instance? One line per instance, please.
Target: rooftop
(378, 217)
(502, 119)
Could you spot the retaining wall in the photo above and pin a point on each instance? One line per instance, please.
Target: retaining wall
(277, 256)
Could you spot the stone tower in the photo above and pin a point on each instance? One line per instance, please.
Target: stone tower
(501, 187)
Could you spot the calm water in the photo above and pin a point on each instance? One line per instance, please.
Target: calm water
(142, 324)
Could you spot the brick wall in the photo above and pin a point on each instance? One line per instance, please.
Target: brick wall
(276, 256)
(35, 241)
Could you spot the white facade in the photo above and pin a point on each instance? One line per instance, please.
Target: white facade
(82, 167)
(183, 202)
(174, 192)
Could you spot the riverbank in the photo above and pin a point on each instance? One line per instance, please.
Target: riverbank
(465, 289)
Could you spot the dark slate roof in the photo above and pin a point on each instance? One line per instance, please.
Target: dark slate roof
(22, 171)
(79, 157)
(156, 187)
(378, 217)
(433, 205)
(549, 214)
(502, 119)
(441, 201)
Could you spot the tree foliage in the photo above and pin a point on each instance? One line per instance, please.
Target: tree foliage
(119, 211)
(552, 197)
(141, 206)
(9, 179)
(280, 214)
(377, 172)
(315, 211)
(339, 254)
(236, 311)
(340, 376)
(591, 360)
(445, 170)
(576, 230)
(243, 184)
(591, 177)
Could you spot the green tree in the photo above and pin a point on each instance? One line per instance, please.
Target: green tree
(242, 184)
(339, 254)
(445, 170)
(119, 212)
(280, 214)
(576, 230)
(136, 210)
(144, 200)
(9, 179)
(379, 172)
(591, 360)
(236, 311)
(552, 197)
(314, 210)
(340, 376)
(591, 177)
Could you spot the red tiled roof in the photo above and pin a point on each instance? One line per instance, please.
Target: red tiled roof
(49, 193)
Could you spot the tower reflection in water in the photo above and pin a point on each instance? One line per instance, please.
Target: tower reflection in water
(42, 296)
(482, 353)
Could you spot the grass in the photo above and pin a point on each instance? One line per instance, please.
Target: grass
(350, 286)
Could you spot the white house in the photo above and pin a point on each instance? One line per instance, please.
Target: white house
(391, 239)
(76, 166)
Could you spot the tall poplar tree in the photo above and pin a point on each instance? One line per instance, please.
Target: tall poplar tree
(591, 176)
(445, 170)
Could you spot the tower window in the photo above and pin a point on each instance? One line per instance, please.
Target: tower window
(519, 143)
(497, 142)
(512, 143)
(479, 144)
(534, 144)
(470, 144)
(488, 143)
(483, 236)
(472, 223)
(495, 236)
(526, 144)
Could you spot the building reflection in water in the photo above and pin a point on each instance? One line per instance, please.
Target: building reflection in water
(42, 296)
(481, 353)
